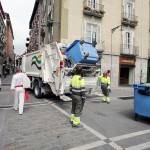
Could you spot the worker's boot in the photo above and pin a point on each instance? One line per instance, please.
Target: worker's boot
(71, 118)
(107, 100)
(77, 126)
(104, 99)
(76, 122)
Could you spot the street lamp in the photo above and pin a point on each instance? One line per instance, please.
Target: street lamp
(112, 31)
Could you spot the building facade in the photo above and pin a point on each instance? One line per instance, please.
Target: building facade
(9, 45)
(120, 29)
(2, 39)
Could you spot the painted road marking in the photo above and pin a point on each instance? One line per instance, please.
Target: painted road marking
(139, 147)
(88, 146)
(122, 137)
(112, 140)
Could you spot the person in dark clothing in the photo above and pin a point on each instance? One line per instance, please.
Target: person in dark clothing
(77, 90)
(105, 83)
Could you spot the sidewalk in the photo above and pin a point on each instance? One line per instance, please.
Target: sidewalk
(7, 80)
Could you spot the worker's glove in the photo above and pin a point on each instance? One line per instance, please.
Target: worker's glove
(108, 87)
(83, 99)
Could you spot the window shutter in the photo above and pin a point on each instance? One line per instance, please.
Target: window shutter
(98, 38)
(134, 49)
(124, 41)
(98, 35)
(97, 4)
(84, 30)
(90, 3)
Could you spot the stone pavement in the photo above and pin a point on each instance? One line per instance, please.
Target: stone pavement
(40, 127)
(44, 124)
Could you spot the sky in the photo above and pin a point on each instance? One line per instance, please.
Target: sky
(20, 12)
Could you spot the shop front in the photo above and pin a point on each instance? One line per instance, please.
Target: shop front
(126, 70)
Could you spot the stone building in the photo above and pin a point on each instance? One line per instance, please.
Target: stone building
(9, 45)
(2, 39)
(119, 27)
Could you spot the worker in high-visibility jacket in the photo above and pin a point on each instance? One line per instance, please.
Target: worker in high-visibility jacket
(105, 86)
(77, 91)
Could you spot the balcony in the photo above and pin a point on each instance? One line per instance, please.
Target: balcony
(100, 46)
(93, 9)
(126, 49)
(128, 19)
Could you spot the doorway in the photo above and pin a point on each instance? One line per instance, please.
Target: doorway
(126, 75)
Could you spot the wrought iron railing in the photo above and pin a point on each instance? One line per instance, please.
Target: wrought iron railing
(90, 7)
(100, 46)
(129, 19)
(129, 49)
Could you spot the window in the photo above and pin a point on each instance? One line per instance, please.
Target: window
(92, 32)
(129, 10)
(94, 4)
(129, 7)
(128, 42)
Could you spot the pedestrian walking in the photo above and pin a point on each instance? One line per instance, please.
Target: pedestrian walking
(77, 90)
(20, 81)
(105, 84)
(0, 81)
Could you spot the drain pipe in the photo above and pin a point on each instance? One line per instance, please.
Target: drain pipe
(141, 72)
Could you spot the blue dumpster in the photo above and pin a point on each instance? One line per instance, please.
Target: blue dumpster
(141, 100)
(82, 52)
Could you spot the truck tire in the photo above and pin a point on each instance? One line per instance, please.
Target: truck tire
(37, 90)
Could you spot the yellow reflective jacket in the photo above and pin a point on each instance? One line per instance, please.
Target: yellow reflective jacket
(105, 80)
(77, 85)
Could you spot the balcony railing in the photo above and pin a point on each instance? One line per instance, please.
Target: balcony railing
(93, 9)
(100, 46)
(127, 49)
(128, 19)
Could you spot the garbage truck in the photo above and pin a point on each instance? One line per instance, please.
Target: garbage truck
(50, 69)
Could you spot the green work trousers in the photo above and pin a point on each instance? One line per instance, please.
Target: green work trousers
(105, 90)
(77, 105)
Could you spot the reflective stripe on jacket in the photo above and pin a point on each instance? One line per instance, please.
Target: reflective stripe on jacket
(77, 85)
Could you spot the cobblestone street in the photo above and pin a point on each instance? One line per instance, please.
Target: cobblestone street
(45, 124)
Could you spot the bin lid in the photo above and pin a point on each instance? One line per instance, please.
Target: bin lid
(74, 43)
(140, 85)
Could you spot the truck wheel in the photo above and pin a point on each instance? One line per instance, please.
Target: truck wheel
(37, 91)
